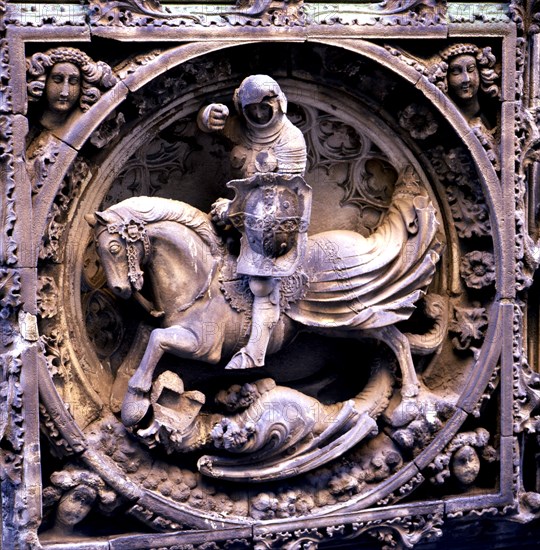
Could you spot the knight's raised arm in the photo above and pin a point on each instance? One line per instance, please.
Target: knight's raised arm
(213, 117)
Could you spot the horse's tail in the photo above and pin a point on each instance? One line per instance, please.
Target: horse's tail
(435, 307)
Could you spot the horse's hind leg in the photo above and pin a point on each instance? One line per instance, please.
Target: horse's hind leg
(399, 344)
(176, 340)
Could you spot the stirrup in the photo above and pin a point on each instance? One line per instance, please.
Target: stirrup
(241, 360)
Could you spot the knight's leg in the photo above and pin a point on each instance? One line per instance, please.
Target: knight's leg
(265, 315)
(174, 339)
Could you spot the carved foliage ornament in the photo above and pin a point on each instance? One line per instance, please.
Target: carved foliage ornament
(266, 13)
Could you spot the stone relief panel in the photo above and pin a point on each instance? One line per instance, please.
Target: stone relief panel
(268, 272)
(333, 423)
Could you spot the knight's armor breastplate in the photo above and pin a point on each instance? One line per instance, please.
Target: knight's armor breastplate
(248, 161)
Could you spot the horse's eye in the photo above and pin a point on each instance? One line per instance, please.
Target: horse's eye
(114, 249)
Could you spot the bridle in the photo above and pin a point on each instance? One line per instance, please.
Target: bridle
(132, 231)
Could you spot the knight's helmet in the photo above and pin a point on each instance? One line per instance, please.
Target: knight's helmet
(255, 89)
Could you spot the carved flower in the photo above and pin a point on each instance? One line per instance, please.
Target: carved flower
(478, 269)
(470, 218)
(469, 325)
(418, 121)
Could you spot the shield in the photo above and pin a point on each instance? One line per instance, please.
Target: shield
(272, 212)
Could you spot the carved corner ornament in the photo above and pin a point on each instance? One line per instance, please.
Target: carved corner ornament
(270, 283)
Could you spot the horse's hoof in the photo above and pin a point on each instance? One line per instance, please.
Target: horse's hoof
(134, 408)
(241, 360)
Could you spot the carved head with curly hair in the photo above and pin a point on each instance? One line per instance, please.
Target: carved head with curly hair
(75, 492)
(465, 69)
(66, 76)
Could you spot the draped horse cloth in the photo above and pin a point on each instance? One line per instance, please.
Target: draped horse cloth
(371, 282)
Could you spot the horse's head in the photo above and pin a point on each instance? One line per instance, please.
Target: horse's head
(121, 246)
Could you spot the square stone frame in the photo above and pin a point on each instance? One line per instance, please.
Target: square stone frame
(69, 23)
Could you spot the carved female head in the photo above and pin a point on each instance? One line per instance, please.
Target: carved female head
(66, 77)
(75, 505)
(463, 77)
(464, 70)
(459, 55)
(63, 87)
(260, 100)
(75, 492)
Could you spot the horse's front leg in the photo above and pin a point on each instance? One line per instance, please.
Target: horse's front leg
(176, 340)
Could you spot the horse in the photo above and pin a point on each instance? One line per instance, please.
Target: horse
(357, 287)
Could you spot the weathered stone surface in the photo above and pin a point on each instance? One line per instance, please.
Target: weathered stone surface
(268, 273)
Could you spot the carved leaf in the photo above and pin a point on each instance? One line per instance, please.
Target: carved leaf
(471, 218)
(10, 286)
(11, 418)
(47, 297)
(469, 324)
(56, 356)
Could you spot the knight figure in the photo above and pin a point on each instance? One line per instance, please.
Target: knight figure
(272, 202)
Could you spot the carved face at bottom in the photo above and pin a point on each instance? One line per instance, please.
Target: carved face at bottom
(75, 505)
(466, 465)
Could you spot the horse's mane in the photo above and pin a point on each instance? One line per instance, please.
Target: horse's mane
(157, 209)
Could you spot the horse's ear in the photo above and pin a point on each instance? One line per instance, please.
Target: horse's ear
(102, 218)
(96, 217)
(90, 219)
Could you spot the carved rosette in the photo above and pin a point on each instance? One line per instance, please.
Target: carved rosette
(166, 473)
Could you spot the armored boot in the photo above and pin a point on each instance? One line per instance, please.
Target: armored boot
(265, 315)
